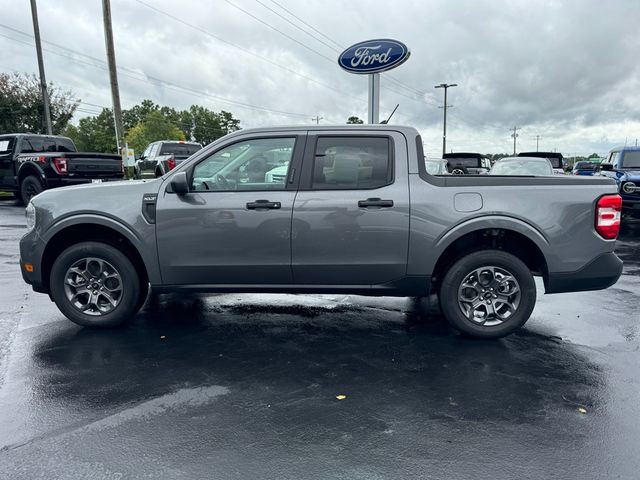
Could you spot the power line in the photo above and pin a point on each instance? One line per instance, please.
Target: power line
(267, 24)
(246, 50)
(341, 47)
(297, 26)
(164, 83)
(307, 24)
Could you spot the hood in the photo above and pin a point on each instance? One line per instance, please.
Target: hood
(631, 175)
(106, 198)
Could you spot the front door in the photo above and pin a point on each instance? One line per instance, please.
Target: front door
(351, 216)
(234, 226)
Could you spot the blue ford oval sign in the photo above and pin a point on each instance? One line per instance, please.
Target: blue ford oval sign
(374, 56)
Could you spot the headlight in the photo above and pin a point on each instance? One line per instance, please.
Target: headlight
(628, 187)
(30, 214)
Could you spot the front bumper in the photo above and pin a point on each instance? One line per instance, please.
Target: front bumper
(600, 273)
(31, 250)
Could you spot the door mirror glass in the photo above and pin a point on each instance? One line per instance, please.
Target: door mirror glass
(179, 183)
(607, 167)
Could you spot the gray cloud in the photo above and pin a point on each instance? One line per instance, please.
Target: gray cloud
(565, 70)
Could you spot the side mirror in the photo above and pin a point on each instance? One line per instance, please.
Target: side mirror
(606, 167)
(179, 183)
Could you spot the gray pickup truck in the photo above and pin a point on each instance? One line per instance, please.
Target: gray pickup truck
(347, 209)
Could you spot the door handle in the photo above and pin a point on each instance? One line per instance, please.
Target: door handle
(258, 204)
(375, 202)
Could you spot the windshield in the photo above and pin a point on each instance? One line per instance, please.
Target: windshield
(185, 149)
(464, 162)
(585, 166)
(521, 167)
(631, 160)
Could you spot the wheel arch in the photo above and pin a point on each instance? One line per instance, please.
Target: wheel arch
(97, 229)
(501, 233)
(29, 168)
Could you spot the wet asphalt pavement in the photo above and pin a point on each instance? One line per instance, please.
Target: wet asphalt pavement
(244, 386)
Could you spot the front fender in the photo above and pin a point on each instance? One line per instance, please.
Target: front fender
(144, 246)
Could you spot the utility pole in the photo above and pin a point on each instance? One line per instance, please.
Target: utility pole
(113, 77)
(444, 107)
(43, 80)
(317, 119)
(538, 137)
(515, 135)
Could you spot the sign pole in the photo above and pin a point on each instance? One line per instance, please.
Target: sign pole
(374, 98)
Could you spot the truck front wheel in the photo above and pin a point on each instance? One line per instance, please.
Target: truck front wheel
(29, 188)
(488, 294)
(95, 285)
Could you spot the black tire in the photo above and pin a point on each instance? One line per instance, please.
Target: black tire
(128, 300)
(464, 269)
(29, 188)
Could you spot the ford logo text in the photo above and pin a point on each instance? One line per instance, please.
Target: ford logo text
(374, 56)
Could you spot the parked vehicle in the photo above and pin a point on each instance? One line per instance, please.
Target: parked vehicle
(436, 166)
(463, 163)
(162, 156)
(623, 165)
(31, 163)
(557, 160)
(585, 168)
(522, 166)
(357, 212)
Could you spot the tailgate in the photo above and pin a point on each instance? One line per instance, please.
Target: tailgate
(94, 164)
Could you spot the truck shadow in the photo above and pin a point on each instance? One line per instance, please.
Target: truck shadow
(274, 353)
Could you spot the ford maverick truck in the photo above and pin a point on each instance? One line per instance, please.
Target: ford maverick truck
(351, 209)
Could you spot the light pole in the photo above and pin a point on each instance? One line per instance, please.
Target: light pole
(444, 131)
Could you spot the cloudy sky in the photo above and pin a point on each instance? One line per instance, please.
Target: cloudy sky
(568, 71)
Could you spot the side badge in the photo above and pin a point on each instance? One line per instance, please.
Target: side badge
(149, 207)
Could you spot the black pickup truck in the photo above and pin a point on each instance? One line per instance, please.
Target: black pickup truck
(32, 163)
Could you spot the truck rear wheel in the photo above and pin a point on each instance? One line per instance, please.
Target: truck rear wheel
(95, 285)
(29, 188)
(488, 294)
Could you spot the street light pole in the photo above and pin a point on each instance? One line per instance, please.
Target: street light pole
(444, 130)
(43, 80)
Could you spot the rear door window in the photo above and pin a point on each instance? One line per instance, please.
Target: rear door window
(352, 163)
(65, 145)
(181, 149)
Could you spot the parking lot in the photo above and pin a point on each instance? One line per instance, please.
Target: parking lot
(245, 386)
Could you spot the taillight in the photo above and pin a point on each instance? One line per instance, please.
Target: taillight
(171, 163)
(60, 164)
(608, 213)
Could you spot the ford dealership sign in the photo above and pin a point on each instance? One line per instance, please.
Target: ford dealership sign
(374, 56)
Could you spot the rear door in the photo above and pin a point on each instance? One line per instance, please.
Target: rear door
(351, 215)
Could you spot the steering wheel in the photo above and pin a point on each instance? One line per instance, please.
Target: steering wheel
(222, 181)
(457, 171)
(205, 185)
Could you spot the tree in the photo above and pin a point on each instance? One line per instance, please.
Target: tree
(154, 127)
(94, 134)
(21, 106)
(354, 120)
